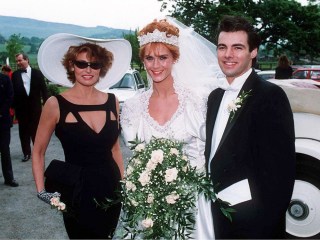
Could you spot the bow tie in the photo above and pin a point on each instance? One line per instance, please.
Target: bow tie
(223, 84)
(23, 70)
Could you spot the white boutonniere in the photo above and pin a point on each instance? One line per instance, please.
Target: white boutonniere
(236, 104)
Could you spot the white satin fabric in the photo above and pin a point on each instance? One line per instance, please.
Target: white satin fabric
(186, 125)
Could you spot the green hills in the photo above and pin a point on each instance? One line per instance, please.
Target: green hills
(28, 27)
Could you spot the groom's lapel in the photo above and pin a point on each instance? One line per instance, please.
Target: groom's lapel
(247, 86)
(216, 100)
(212, 116)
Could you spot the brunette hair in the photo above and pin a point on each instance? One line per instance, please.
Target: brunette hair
(162, 26)
(100, 54)
(237, 23)
(283, 61)
(6, 68)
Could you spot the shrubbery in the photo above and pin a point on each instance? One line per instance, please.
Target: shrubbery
(53, 90)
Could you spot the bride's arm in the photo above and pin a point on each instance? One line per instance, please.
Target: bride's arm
(195, 116)
(130, 118)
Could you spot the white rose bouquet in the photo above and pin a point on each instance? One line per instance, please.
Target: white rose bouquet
(159, 192)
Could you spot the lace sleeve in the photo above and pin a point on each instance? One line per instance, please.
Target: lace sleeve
(196, 116)
(130, 118)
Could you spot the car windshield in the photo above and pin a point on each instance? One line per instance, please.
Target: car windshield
(126, 82)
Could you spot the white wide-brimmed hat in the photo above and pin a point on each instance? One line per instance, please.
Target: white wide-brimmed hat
(53, 49)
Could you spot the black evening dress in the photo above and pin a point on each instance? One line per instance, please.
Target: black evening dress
(100, 175)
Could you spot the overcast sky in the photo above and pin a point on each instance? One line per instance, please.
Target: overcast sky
(126, 14)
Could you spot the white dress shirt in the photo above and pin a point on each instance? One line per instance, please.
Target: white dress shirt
(231, 92)
(26, 78)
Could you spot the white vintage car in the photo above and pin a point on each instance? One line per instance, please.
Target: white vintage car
(303, 215)
(128, 86)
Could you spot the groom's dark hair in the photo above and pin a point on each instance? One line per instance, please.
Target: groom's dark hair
(238, 23)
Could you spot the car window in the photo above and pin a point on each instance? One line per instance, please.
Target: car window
(126, 82)
(300, 74)
(315, 75)
(139, 80)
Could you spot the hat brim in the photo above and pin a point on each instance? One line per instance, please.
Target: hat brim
(53, 49)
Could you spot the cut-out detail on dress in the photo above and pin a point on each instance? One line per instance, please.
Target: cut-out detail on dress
(70, 118)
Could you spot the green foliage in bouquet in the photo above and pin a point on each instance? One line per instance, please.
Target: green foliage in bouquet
(159, 192)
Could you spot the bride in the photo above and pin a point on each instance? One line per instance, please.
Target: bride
(183, 68)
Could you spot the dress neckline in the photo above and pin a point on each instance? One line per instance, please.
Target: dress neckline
(146, 100)
(75, 104)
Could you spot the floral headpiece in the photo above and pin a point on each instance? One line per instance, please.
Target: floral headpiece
(157, 36)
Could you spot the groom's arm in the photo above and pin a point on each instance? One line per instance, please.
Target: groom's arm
(275, 152)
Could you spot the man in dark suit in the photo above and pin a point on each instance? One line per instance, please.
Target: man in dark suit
(250, 149)
(30, 93)
(6, 97)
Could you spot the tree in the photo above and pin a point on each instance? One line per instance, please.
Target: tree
(132, 37)
(14, 45)
(282, 24)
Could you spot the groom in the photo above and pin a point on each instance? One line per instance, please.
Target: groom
(250, 150)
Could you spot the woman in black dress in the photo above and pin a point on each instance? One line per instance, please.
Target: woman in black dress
(86, 121)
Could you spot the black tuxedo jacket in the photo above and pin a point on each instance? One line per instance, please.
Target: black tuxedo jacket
(257, 145)
(6, 97)
(29, 106)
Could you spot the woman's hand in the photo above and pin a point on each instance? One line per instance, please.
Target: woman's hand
(46, 196)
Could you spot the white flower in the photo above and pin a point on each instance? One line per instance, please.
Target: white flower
(171, 174)
(184, 157)
(157, 156)
(55, 201)
(174, 151)
(147, 223)
(150, 198)
(130, 186)
(144, 178)
(151, 166)
(233, 106)
(140, 147)
(136, 161)
(172, 198)
(61, 206)
(129, 170)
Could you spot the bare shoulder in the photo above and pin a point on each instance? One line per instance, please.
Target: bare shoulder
(52, 102)
(51, 111)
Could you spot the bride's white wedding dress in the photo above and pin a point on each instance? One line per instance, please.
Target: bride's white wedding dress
(186, 125)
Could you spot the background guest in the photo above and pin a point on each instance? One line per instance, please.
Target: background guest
(6, 70)
(6, 97)
(283, 70)
(30, 92)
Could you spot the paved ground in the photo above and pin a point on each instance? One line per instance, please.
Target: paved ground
(22, 214)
